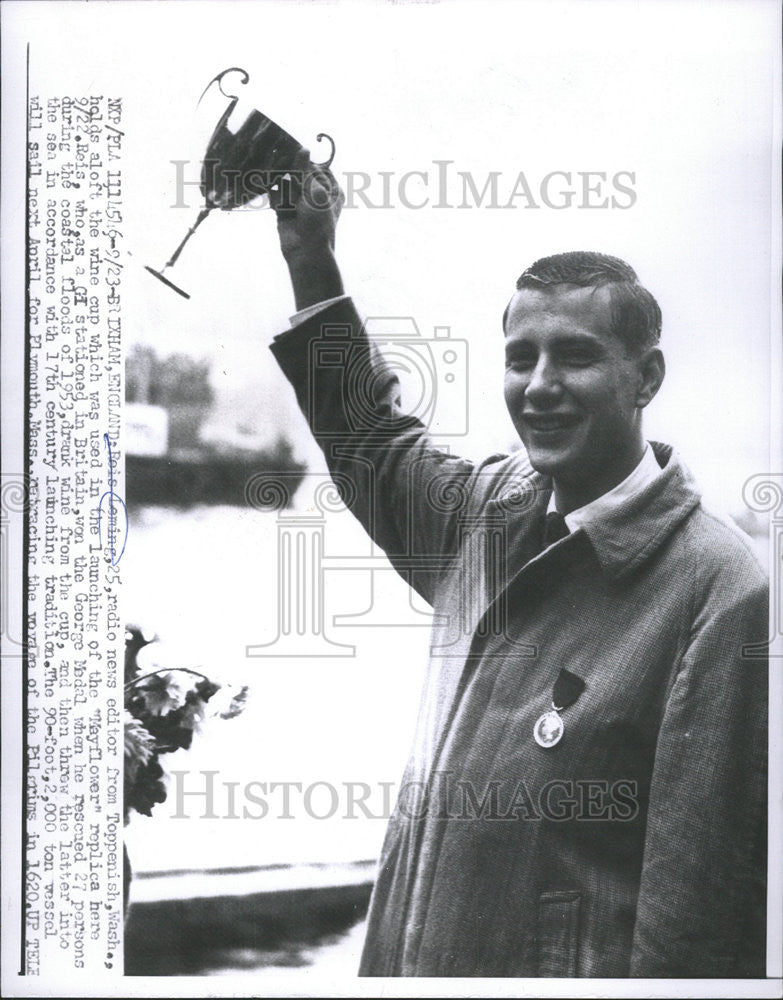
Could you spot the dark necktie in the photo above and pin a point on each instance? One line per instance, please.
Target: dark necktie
(555, 528)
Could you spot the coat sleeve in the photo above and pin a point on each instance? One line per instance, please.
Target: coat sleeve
(408, 494)
(702, 903)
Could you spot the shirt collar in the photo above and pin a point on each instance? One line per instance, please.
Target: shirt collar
(629, 531)
(644, 473)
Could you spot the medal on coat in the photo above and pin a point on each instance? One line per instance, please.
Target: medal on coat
(549, 727)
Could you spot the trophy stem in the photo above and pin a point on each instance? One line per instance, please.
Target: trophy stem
(173, 260)
(201, 216)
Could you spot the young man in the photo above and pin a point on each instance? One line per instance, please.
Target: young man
(589, 761)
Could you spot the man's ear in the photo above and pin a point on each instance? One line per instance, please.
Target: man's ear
(652, 369)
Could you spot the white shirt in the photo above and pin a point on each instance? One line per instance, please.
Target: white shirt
(642, 476)
(312, 310)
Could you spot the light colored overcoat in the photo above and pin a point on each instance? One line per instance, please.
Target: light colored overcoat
(635, 846)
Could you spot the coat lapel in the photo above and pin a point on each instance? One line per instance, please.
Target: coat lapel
(479, 585)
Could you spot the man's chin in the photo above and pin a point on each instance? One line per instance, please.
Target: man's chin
(554, 454)
(546, 462)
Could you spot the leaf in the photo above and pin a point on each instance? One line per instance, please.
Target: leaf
(139, 747)
(147, 790)
(193, 712)
(135, 641)
(161, 693)
(205, 689)
(237, 704)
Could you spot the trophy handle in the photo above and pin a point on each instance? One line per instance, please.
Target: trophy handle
(219, 81)
(327, 163)
(233, 98)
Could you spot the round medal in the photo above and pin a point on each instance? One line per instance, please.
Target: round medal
(548, 729)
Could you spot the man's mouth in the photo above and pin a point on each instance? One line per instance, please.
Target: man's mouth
(543, 422)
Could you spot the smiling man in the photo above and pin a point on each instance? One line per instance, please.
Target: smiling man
(581, 365)
(586, 792)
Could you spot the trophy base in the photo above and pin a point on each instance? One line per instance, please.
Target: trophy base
(166, 281)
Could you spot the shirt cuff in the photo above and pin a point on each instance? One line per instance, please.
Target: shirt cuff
(314, 309)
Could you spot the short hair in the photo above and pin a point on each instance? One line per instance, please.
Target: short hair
(635, 315)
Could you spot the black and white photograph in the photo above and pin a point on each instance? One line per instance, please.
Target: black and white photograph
(392, 498)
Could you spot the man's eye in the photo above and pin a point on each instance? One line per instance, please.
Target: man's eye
(577, 359)
(519, 364)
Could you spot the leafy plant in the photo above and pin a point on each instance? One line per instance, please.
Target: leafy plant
(163, 710)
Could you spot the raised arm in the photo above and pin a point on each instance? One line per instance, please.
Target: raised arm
(388, 471)
(308, 204)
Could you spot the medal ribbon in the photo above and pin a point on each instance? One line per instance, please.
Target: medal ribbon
(548, 730)
(568, 687)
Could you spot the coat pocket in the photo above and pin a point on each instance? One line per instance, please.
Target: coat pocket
(558, 933)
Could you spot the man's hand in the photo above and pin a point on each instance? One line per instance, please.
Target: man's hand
(308, 201)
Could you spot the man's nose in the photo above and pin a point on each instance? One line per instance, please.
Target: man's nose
(544, 383)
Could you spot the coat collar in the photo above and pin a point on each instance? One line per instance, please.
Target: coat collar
(631, 532)
(635, 529)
